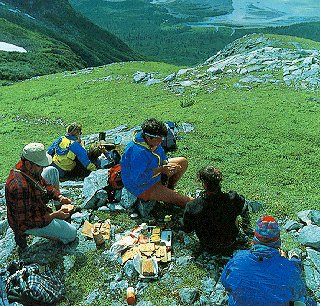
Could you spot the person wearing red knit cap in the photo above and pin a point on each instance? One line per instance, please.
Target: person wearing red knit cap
(261, 276)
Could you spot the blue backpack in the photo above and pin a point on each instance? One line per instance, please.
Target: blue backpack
(169, 143)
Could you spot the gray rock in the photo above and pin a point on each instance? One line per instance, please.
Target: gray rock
(127, 199)
(7, 245)
(304, 216)
(314, 256)
(186, 83)
(122, 285)
(140, 76)
(204, 300)
(312, 278)
(68, 263)
(169, 77)
(144, 303)
(2, 201)
(219, 295)
(129, 269)
(208, 285)
(315, 217)
(141, 286)
(152, 82)
(184, 71)
(3, 226)
(292, 225)
(188, 295)
(183, 260)
(215, 70)
(240, 86)
(71, 184)
(310, 236)
(96, 181)
(78, 217)
(251, 79)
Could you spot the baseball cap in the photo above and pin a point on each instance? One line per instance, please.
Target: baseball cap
(36, 153)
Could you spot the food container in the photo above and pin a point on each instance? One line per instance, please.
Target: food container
(131, 297)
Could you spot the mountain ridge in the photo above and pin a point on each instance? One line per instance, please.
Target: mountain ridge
(58, 21)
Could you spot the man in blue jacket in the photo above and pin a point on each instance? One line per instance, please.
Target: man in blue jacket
(262, 276)
(144, 161)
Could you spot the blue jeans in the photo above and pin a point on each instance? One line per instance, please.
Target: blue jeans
(51, 175)
(57, 229)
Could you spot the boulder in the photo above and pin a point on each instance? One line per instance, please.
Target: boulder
(310, 236)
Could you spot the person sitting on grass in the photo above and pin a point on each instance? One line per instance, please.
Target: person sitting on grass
(262, 276)
(27, 193)
(144, 161)
(69, 156)
(213, 216)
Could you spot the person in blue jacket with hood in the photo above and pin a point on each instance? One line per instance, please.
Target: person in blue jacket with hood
(69, 156)
(262, 276)
(144, 161)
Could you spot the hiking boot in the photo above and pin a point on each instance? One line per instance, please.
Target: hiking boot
(21, 241)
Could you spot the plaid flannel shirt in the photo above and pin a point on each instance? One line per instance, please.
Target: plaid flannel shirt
(26, 202)
(30, 284)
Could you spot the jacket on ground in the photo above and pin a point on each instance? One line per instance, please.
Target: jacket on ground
(137, 162)
(262, 277)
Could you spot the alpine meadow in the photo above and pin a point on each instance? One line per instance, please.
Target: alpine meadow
(252, 100)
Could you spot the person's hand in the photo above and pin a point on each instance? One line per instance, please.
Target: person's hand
(64, 200)
(171, 168)
(102, 149)
(60, 214)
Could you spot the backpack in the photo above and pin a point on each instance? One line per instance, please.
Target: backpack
(114, 177)
(169, 143)
(31, 287)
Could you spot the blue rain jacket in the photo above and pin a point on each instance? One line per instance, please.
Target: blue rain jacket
(65, 149)
(137, 162)
(262, 277)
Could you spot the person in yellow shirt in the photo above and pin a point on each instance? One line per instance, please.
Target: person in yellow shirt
(69, 156)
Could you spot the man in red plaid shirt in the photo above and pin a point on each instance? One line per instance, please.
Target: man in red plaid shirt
(27, 194)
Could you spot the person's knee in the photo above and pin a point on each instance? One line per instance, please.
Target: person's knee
(51, 175)
(71, 235)
(182, 161)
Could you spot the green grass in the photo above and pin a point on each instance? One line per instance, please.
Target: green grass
(265, 140)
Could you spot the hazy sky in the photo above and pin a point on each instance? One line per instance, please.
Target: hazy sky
(270, 12)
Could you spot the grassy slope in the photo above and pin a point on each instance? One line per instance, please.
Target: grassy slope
(265, 140)
(60, 39)
(45, 55)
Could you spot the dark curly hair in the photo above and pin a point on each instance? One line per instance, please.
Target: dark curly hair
(211, 177)
(155, 127)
